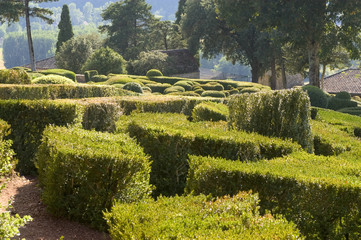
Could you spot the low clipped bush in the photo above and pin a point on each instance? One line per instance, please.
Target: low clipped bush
(317, 96)
(134, 87)
(89, 75)
(197, 217)
(174, 89)
(189, 94)
(210, 111)
(357, 132)
(215, 94)
(284, 113)
(343, 95)
(184, 84)
(164, 79)
(212, 86)
(61, 72)
(13, 76)
(154, 73)
(52, 79)
(158, 87)
(351, 110)
(99, 78)
(337, 103)
(101, 116)
(34, 75)
(250, 90)
(7, 161)
(83, 172)
(175, 138)
(147, 89)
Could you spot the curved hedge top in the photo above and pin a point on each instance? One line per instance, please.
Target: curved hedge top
(60, 72)
(52, 79)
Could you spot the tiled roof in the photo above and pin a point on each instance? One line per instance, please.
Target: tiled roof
(348, 80)
(47, 63)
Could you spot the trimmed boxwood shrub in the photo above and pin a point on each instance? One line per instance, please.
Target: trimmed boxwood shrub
(210, 111)
(159, 87)
(317, 96)
(215, 94)
(154, 73)
(134, 87)
(83, 172)
(351, 110)
(212, 86)
(174, 89)
(319, 194)
(60, 72)
(190, 94)
(337, 103)
(28, 120)
(99, 78)
(250, 90)
(197, 217)
(89, 74)
(163, 79)
(52, 79)
(284, 113)
(13, 76)
(175, 138)
(184, 84)
(7, 160)
(343, 95)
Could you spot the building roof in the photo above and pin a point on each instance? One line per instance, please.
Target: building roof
(348, 80)
(183, 60)
(47, 63)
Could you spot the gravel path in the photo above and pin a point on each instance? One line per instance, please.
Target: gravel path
(26, 201)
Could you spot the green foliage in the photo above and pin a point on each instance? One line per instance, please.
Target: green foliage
(61, 72)
(149, 61)
(65, 28)
(351, 110)
(169, 80)
(159, 87)
(190, 94)
(343, 95)
(7, 161)
(284, 114)
(335, 103)
(357, 132)
(73, 54)
(89, 74)
(134, 87)
(28, 120)
(175, 138)
(9, 225)
(123, 79)
(99, 78)
(309, 190)
(154, 73)
(212, 86)
(317, 96)
(210, 111)
(59, 91)
(101, 116)
(14, 76)
(52, 79)
(105, 61)
(250, 90)
(187, 85)
(215, 94)
(83, 172)
(197, 217)
(174, 89)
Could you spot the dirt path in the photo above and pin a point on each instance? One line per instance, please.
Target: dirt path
(26, 201)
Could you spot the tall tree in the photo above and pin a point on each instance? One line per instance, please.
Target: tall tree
(65, 27)
(11, 11)
(180, 11)
(166, 35)
(129, 28)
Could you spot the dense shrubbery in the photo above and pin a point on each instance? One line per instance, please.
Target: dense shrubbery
(154, 73)
(14, 76)
(158, 87)
(335, 103)
(197, 217)
(174, 89)
(318, 97)
(99, 78)
(351, 110)
(212, 86)
(83, 172)
(215, 94)
(60, 72)
(7, 161)
(210, 111)
(134, 87)
(343, 95)
(282, 113)
(89, 75)
(59, 91)
(150, 60)
(52, 79)
(175, 138)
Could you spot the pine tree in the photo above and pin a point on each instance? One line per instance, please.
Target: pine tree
(65, 27)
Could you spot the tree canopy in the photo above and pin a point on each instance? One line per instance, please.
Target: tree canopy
(65, 27)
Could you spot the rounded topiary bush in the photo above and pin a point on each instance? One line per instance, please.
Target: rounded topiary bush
(99, 78)
(174, 89)
(215, 94)
(317, 97)
(61, 72)
(147, 89)
(250, 90)
(212, 86)
(189, 94)
(154, 73)
(134, 87)
(13, 76)
(185, 84)
(337, 103)
(343, 95)
(158, 87)
(210, 111)
(52, 79)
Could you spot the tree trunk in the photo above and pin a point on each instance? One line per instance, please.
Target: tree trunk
(323, 74)
(255, 72)
(273, 74)
(314, 62)
(284, 76)
(30, 40)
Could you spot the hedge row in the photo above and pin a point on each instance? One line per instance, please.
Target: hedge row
(283, 113)
(7, 161)
(28, 120)
(169, 138)
(59, 91)
(322, 195)
(83, 172)
(197, 217)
